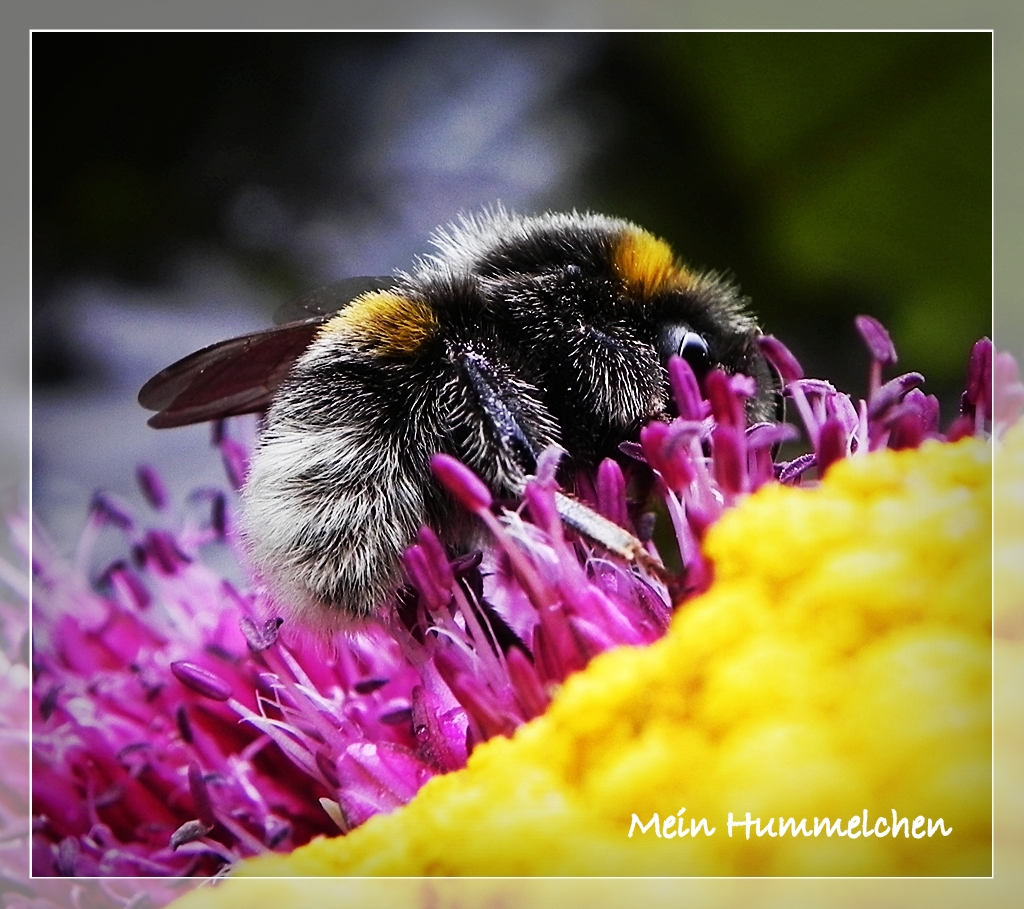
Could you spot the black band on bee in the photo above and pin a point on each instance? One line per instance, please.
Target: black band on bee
(643, 263)
(545, 246)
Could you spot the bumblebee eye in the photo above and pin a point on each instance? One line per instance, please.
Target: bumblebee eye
(681, 340)
(694, 349)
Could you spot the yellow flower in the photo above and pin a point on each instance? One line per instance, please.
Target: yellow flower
(839, 667)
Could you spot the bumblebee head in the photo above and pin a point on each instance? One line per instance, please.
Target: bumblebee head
(700, 317)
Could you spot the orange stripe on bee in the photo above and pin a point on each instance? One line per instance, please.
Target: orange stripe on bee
(648, 265)
(384, 322)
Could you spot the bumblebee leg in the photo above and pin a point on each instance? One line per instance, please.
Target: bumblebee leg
(499, 406)
(506, 432)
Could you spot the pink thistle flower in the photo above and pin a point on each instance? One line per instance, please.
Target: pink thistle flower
(177, 729)
(175, 733)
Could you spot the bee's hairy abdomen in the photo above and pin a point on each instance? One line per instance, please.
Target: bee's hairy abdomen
(326, 518)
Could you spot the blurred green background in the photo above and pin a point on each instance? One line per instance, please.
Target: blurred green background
(830, 173)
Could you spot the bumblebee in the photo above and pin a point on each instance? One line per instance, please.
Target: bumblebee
(514, 334)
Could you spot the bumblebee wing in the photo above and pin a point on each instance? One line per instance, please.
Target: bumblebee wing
(329, 299)
(242, 374)
(232, 377)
